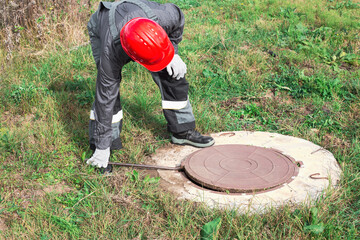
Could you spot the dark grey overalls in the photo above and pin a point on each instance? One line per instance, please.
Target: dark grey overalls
(104, 27)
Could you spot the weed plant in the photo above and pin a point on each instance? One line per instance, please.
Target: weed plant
(290, 67)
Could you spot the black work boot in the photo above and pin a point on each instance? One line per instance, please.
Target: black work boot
(193, 138)
(106, 170)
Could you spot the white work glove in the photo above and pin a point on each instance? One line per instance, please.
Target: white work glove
(176, 68)
(100, 158)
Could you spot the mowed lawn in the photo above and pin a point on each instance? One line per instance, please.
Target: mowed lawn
(289, 67)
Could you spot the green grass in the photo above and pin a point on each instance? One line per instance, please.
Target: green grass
(285, 67)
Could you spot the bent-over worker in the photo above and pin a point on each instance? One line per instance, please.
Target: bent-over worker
(148, 33)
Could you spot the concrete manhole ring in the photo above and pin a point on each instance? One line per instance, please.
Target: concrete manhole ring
(319, 170)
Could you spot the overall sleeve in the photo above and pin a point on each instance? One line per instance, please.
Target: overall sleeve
(107, 88)
(175, 24)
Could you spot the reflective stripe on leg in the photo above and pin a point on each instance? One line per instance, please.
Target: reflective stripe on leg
(176, 105)
(116, 118)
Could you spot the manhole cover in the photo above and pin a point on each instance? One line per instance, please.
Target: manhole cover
(239, 168)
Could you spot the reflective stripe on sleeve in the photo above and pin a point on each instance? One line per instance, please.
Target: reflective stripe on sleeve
(174, 104)
(116, 118)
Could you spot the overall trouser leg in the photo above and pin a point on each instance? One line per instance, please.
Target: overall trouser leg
(96, 47)
(116, 126)
(175, 102)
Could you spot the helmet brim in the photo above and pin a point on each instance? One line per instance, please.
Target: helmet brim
(161, 65)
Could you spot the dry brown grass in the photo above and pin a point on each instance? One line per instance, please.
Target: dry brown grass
(32, 27)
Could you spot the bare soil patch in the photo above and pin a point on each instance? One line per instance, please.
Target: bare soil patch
(3, 226)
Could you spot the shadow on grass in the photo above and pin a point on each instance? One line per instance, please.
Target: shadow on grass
(74, 111)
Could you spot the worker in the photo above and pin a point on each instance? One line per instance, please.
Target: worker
(148, 33)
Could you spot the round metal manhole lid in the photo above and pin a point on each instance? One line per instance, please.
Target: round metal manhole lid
(239, 168)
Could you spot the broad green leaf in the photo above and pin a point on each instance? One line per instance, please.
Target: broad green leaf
(210, 230)
(315, 229)
(314, 215)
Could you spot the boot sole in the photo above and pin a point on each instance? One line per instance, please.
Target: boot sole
(187, 142)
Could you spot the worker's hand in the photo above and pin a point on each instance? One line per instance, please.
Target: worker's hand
(176, 68)
(100, 158)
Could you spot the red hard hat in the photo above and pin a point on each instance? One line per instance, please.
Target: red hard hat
(147, 43)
